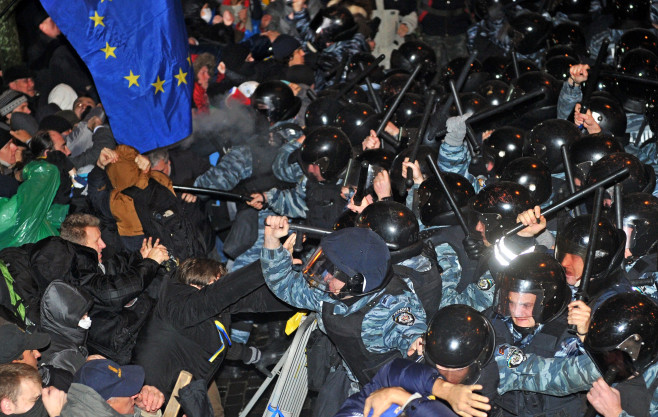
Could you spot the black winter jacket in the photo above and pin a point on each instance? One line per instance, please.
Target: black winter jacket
(183, 332)
(120, 305)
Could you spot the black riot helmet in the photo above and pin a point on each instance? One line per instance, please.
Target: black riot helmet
(356, 256)
(451, 71)
(353, 68)
(573, 239)
(471, 103)
(328, 148)
(588, 149)
(651, 111)
(623, 333)
(562, 50)
(434, 208)
(524, 65)
(610, 115)
(411, 105)
(497, 206)
(577, 10)
(545, 141)
(637, 38)
(393, 84)
(637, 179)
(534, 29)
(497, 92)
(354, 95)
(322, 112)
(532, 273)
(641, 63)
(503, 146)
(460, 341)
(275, 100)
(566, 33)
(531, 173)
(396, 224)
(333, 24)
(495, 65)
(640, 211)
(412, 53)
(631, 14)
(535, 80)
(356, 120)
(559, 66)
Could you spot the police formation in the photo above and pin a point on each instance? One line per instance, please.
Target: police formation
(475, 235)
(392, 212)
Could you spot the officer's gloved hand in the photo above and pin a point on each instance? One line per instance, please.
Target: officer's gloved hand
(474, 247)
(456, 128)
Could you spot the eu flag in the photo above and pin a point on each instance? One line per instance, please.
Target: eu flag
(137, 53)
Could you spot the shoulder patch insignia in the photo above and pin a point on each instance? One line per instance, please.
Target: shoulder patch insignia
(485, 284)
(404, 317)
(515, 357)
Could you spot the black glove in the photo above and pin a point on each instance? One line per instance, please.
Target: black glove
(474, 247)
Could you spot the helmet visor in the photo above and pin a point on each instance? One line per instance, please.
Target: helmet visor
(523, 305)
(322, 274)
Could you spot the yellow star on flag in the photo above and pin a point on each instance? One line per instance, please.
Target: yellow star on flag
(158, 85)
(181, 76)
(98, 20)
(103, 1)
(132, 79)
(109, 50)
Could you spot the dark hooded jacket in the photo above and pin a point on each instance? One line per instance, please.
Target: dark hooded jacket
(62, 307)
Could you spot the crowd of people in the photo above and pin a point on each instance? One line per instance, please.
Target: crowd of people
(395, 169)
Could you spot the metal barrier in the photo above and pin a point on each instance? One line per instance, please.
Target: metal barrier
(291, 388)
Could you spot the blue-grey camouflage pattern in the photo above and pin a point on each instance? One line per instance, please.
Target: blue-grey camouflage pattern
(457, 159)
(333, 54)
(290, 202)
(284, 170)
(551, 376)
(473, 296)
(379, 332)
(559, 376)
(231, 168)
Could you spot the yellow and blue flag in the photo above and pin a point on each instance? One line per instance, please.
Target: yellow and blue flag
(137, 52)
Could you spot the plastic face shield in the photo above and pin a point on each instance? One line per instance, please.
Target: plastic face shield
(319, 271)
(519, 303)
(620, 358)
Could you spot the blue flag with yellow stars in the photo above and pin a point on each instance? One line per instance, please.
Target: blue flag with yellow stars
(137, 53)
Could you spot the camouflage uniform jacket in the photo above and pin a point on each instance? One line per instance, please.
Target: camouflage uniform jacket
(283, 169)
(380, 332)
(558, 376)
(231, 168)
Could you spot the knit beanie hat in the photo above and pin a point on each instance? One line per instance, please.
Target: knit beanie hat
(56, 123)
(10, 100)
(24, 121)
(63, 95)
